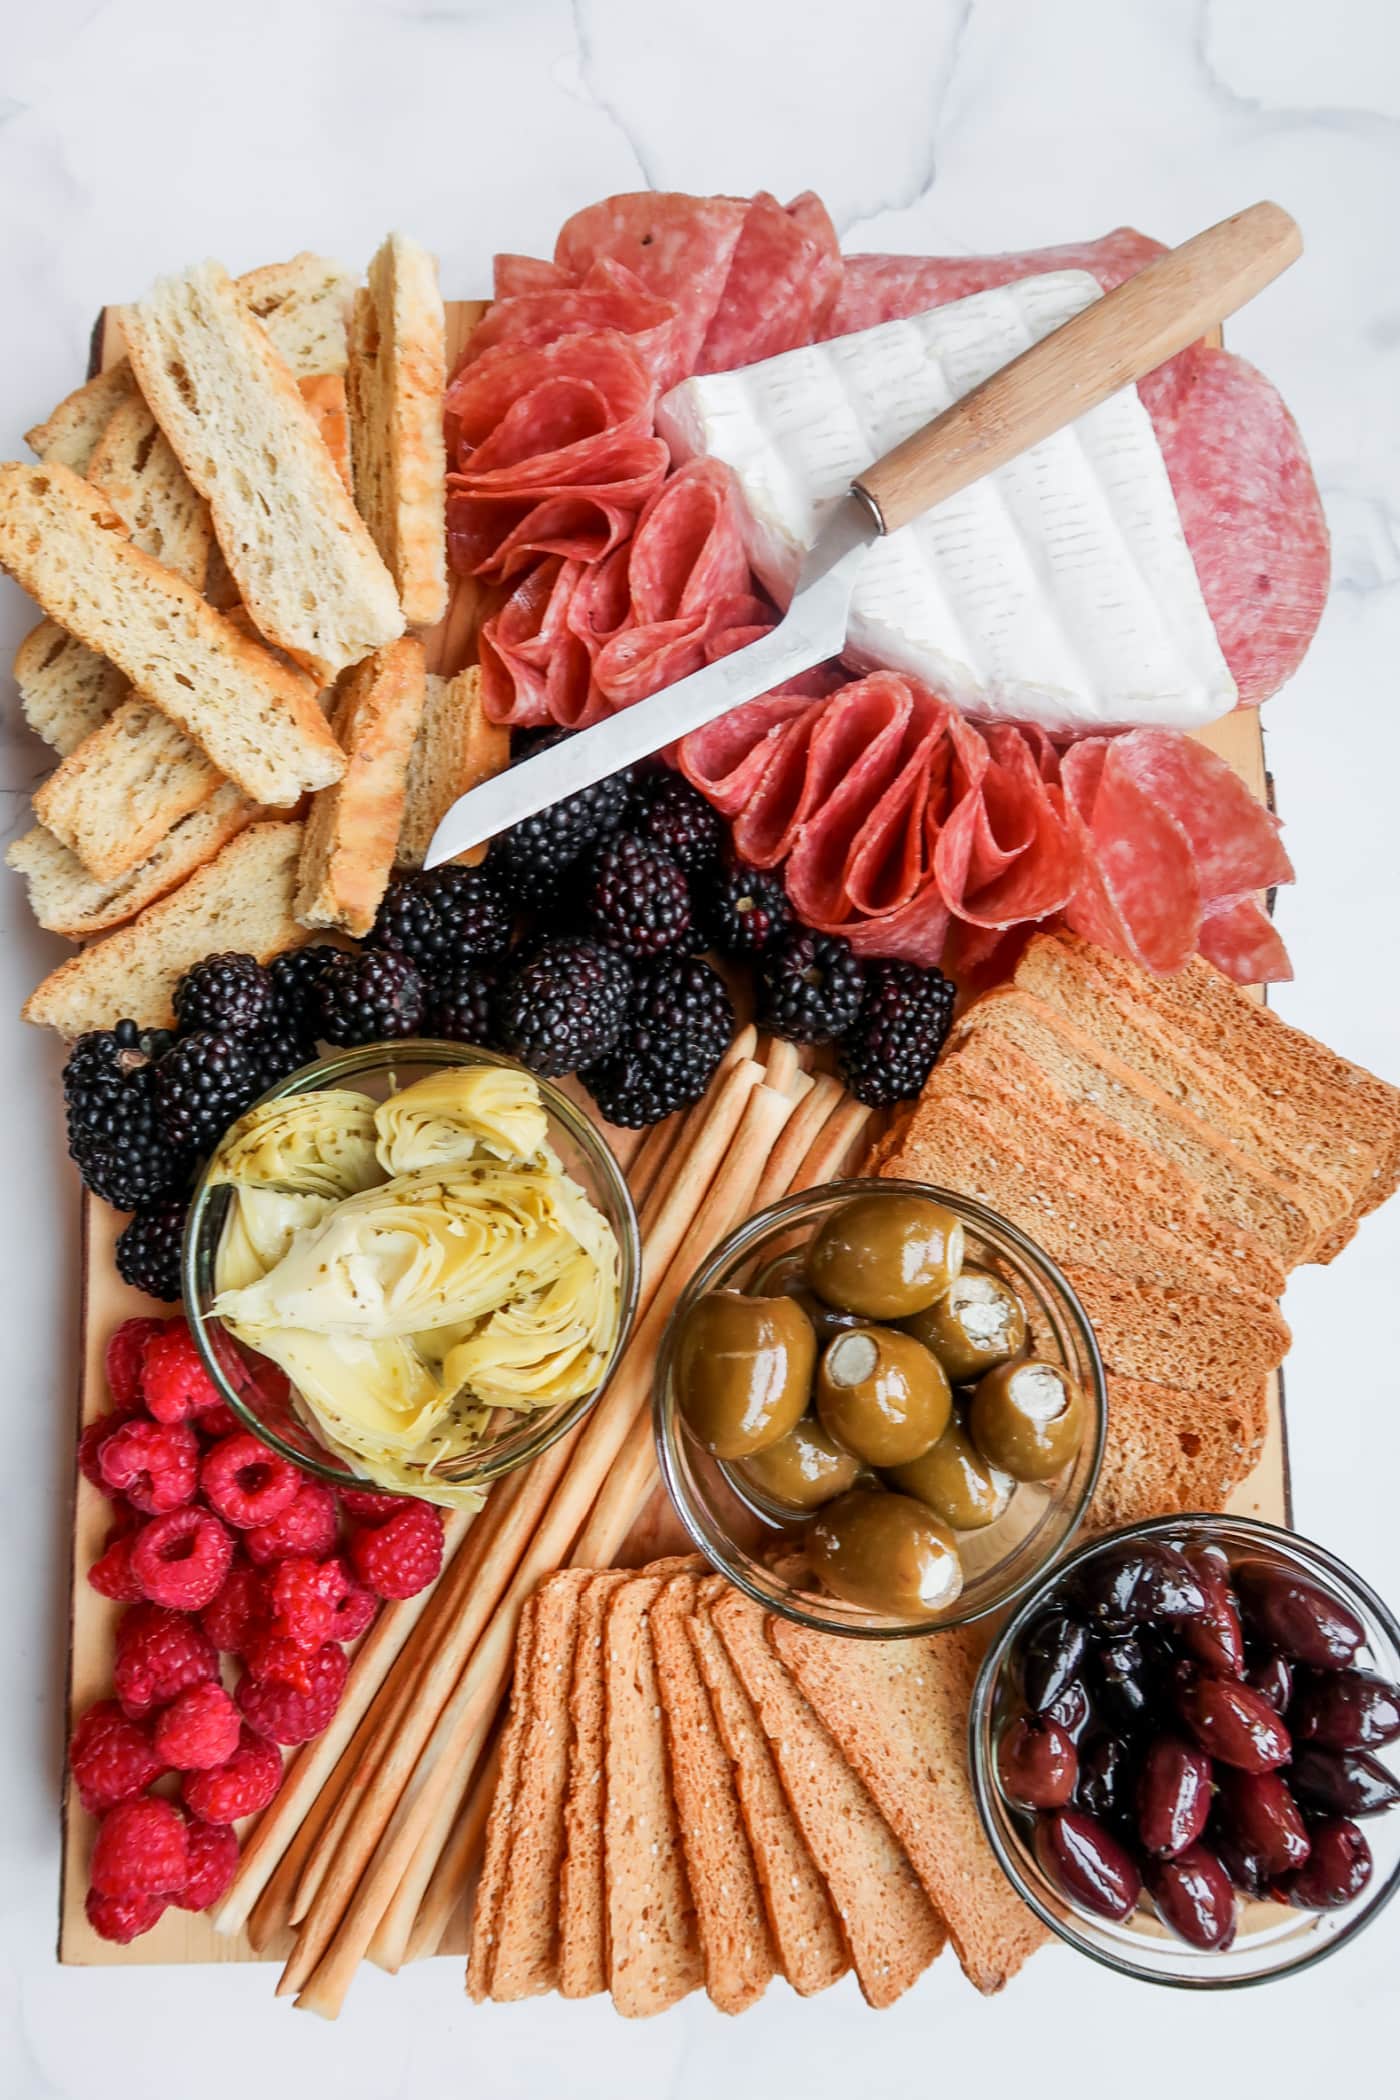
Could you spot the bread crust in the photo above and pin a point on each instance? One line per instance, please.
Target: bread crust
(397, 376)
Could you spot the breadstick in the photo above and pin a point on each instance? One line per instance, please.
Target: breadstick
(697, 1119)
(454, 1870)
(651, 1155)
(781, 1064)
(462, 1830)
(272, 1914)
(796, 1141)
(835, 1143)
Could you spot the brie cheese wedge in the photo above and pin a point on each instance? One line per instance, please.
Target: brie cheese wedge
(1058, 590)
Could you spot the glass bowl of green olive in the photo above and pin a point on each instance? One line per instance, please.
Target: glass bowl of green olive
(880, 1409)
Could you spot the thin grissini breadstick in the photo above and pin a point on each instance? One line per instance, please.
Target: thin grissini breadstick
(274, 1911)
(469, 1712)
(812, 1112)
(454, 1870)
(286, 1815)
(742, 1051)
(455, 1834)
(781, 1064)
(711, 1128)
(652, 1154)
(834, 1146)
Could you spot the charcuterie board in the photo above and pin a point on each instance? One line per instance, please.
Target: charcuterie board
(181, 1937)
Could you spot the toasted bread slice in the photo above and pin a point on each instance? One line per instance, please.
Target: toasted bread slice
(583, 1933)
(500, 1824)
(69, 436)
(397, 375)
(1166, 1451)
(305, 565)
(114, 799)
(898, 1710)
(242, 899)
(257, 721)
(65, 899)
(1200, 1341)
(304, 304)
(150, 492)
(65, 690)
(457, 747)
(324, 395)
(353, 828)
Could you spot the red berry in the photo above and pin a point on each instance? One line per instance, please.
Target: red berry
(123, 1362)
(140, 1849)
(354, 1613)
(110, 1757)
(359, 1502)
(110, 1574)
(122, 1918)
(154, 1464)
(246, 1483)
(159, 1653)
(239, 1788)
(239, 1612)
(402, 1556)
(90, 1443)
(305, 1528)
(198, 1730)
(181, 1559)
(213, 1850)
(219, 1422)
(291, 1715)
(304, 1596)
(272, 1659)
(174, 1382)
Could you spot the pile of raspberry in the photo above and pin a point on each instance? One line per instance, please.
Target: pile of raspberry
(242, 1580)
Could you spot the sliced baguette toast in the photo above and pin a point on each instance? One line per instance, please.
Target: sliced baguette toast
(65, 690)
(150, 492)
(69, 436)
(113, 800)
(353, 829)
(66, 899)
(304, 304)
(397, 375)
(457, 747)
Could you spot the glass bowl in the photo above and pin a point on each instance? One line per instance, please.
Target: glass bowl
(739, 1537)
(375, 1069)
(1272, 1939)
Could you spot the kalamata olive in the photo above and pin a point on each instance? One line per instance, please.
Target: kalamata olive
(1342, 1782)
(1072, 1711)
(1050, 1657)
(1122, 1684)
(1337, 1869)
(1036, 1764)
(1143, 1579)
(1193, 1896)
(1087, 1863)
(1173, 1796)
(1287, 1612)
(1208, 1553)
(1214, 1636)
(1272, 1677)
(1263, 1818)
(1105, 1785)
(1232, 1722)
(1244, 1870)
(1345, 1710)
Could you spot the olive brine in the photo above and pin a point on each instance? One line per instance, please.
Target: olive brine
(1195, 1724)
(880, 1393)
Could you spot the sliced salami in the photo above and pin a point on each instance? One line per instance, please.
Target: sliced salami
(727, 759)
(877, 288)
(513, 276)
(782, 283)
(534, 668)
(1234, 840)
(1139, 893)
(609, 297)
(680, 247)
(1240, 938)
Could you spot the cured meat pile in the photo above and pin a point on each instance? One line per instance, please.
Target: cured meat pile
(901, 824)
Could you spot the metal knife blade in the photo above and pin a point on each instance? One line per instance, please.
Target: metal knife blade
(812, 629)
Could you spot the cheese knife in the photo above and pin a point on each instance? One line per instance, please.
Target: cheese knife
(1112, 343)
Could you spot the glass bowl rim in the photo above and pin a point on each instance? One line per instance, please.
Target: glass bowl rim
(1278, 1538)
(666, 1415)
(536, 1434)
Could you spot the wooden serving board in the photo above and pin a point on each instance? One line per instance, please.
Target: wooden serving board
(181, 1937)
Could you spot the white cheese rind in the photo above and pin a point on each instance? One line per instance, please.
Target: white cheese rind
(1058, 590)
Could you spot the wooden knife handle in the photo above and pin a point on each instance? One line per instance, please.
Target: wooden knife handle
(1112, 343)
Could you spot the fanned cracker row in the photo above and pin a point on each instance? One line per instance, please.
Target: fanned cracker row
(353, 828)
(69, 436)
(65, 689)
(66, 899)
(150, 492)
(257, 721)
(397, 375)
(457, 747)
(304, 563)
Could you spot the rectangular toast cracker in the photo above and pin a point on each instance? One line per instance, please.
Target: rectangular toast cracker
(65, 899)
(456, 748)
(65, 690)
(1196, 1340)
(583, 1936)
(352, 831)
(123, 790)
(396, 379)
(496, 1857)
(1166, 1452)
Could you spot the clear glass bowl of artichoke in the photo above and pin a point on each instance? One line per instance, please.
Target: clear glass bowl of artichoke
(412, 1267)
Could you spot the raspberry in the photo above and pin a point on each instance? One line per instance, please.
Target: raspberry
(140, 1849)
(306, 1527)
(90, 1445)
(154, 1464)
(246, 1483)
(287, 1714)
(123, 1362)
(305, 1595)
(174, 1382)
(219, 1422)
(354, 1613)
(111, 1573)
(239, 1788)
(122, 1918)
(359, 1502)
(273, 1659)
(158, 1654)
(213, 1851)
(402, 1556)
(111, 1758)
(239, 1612)
(198, 1730)
(181, 1559)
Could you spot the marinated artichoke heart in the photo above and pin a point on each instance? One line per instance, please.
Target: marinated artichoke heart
(459, 1114)
(320, 1144)
(259, 1227)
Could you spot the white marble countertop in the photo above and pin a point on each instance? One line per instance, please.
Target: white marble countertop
(138, 134)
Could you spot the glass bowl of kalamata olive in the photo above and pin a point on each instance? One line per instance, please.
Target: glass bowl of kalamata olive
(1184, 1747)
(879, 1409)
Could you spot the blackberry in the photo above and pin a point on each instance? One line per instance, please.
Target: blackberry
(531, 860)
(742, 910)
(566, 1006)
(226, 994)
(202, 1084)
(364, 998)
(148, 1251)
(443, 915)
(461, 1005)
(810, 987)
(903, 1023)
(114, 1129)
(679, 820)
(295, 977)
(280, 1053)
(637, 899)
(679, 1025)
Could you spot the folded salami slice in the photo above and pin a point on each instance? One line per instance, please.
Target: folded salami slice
(728, 758)
(608, 297)
(534, 669)
(782, 283)
(679, 247)
(1139, 893)
(1240, 938)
